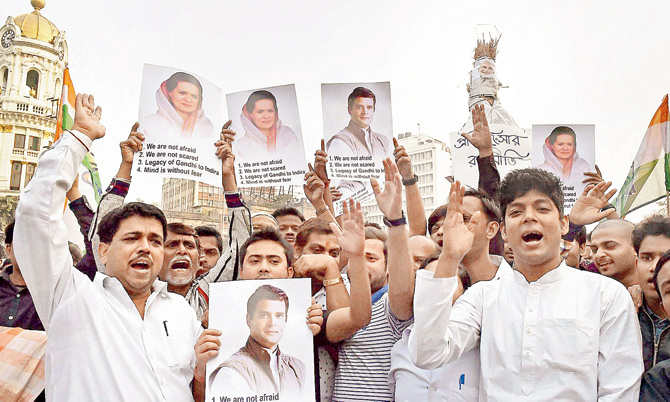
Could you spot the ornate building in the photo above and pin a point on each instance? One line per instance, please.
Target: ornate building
(33, 55)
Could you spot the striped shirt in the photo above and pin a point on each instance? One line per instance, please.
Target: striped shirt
(365, 358)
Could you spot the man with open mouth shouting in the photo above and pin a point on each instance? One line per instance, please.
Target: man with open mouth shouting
(544, 331)
(180, 258)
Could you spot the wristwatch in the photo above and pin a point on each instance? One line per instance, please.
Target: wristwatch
(411, 181)
(396, 222)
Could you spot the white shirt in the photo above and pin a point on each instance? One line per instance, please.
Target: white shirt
(570, 335)
(339, 147)
(98, 347)
(455, 381)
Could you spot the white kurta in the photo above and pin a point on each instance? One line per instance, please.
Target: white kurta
(571, 335)
(98, 347)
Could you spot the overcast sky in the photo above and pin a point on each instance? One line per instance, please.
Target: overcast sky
(589, 62)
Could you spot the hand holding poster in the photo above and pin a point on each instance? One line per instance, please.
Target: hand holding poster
(511, 150)
(263, 326)
(567, 152)
(176, 114)
(270, 152)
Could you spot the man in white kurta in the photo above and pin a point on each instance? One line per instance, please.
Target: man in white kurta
(546, 332)
(101, 344)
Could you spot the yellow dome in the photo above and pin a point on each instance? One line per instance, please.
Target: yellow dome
(35, 26)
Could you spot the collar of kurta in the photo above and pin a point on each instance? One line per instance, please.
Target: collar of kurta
(549, 277)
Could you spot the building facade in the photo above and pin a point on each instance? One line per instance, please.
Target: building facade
(33, 55)
(431, 162)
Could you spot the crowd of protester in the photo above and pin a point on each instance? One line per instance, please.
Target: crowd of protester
(498, 295)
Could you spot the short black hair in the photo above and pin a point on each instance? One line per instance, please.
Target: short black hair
(664, 258)
(110, 223)
(183, 230)
(519, 182)
(311, 226)
(361, 92)
(204, 231)
(462, 274)
(283, 211)
(9, 233)
(268, 234)
(266, 292)
(491, 207)
(655, 225)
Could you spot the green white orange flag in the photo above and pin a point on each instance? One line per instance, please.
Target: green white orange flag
(649, 177)
(89, 179)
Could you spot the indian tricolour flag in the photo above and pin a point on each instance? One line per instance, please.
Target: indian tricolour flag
(89, 180)
(649, 177)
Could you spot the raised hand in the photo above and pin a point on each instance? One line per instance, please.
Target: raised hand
(227, 134)
(457, 235)
(352, 235)
(225, 152)
(403, 161)
(593, 177)
(131, 145)
(314, 187)
(335, 194)
(481, 136)
(87, 117)
(320, 160)
(587, 208)
(389, 200)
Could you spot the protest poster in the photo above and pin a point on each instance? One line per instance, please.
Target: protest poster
(180, 116)
(255, 316)
(268, 145)
(358, 129)
(511, 150)
(567, 151)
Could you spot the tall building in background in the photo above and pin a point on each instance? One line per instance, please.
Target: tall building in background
(431, 161)
(33, 55)
(194, 203)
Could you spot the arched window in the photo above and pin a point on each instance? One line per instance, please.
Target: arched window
(5, 81)
(58, 90)
(32, 82)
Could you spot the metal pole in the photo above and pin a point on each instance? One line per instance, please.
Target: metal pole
(667, 204)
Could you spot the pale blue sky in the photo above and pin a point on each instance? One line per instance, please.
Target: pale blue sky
(599, 62)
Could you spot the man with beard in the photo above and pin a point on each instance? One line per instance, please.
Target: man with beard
(180, 258)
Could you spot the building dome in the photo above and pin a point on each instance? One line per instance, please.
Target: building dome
(35, 26)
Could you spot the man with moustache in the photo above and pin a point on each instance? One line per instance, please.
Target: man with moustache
(180, 258)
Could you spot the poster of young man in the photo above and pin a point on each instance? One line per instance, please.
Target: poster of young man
(268, 146)
(180, 116)
(511, 150)
(266, 351)
(566, 151)
(358, 129)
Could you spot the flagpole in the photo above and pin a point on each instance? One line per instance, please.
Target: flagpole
(667, 204)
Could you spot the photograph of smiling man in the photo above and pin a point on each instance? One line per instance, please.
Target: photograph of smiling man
(567, 151)
(265, 354)
(179, 116)
(268, 148)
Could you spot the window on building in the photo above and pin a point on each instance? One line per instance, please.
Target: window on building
(34, 143)
(32, 82)
(30, 171)
(5, 81)
(15, 180)
(19, 141)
